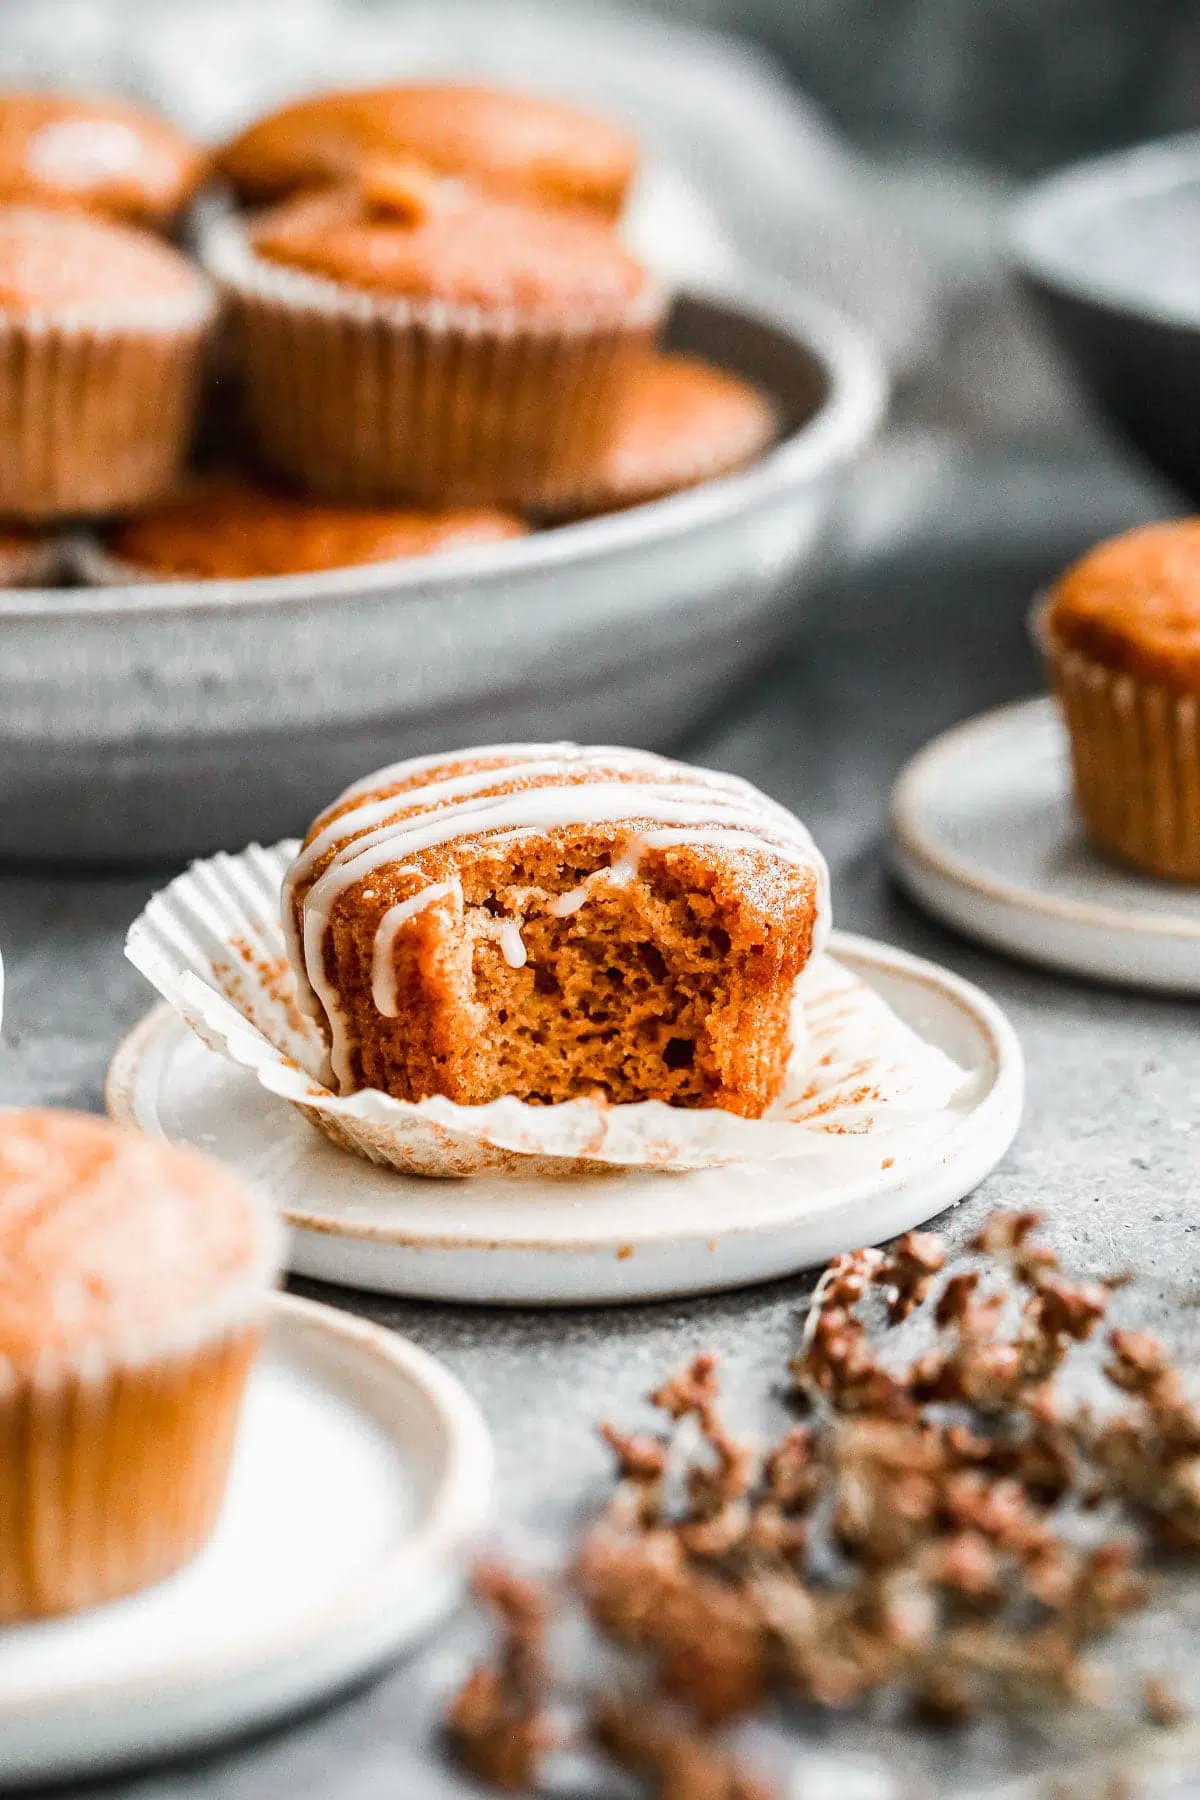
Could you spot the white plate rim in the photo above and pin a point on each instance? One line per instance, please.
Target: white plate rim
(454, 1518)
(1002, 1099)
(914, 843)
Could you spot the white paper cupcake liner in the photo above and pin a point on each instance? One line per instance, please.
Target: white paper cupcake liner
(212, 944)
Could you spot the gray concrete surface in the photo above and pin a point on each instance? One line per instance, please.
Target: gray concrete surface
(1110, 1147)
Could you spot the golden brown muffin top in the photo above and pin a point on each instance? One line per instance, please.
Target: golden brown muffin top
(64, 260)
(94, 153)
(114, 1246)
(1133, 605)
(514, 145)
(681, 421)
(221, 530)
(402, 234)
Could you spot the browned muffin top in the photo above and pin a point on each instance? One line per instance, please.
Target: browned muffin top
(516, 146)
(67, 260)
(681, 421)
(94, 153)
(1133, 605)
(403, 234)
(222, 530)
(112, 1242)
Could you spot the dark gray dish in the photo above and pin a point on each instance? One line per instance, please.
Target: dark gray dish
(170, 719)
(1110, 252)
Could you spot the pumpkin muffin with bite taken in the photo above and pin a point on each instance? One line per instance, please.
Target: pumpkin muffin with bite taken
(549, 922)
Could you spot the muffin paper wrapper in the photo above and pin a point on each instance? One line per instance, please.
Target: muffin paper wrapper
(212, 944)
(1135, 752)
(365, 396)
(110, 1482)
(96, 414)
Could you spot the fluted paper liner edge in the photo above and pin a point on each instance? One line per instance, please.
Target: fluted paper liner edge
(212, 944)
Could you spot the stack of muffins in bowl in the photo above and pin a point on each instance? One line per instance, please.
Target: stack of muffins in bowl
(402, 320)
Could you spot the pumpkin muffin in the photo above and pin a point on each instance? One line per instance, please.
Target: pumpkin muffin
(681, 421)
(409, 338)
(549, 922)
(27, 558)
(102, 332)
(1121, 634)
(515, 146)
(223, 531)
(133, 1283)
(95, 154)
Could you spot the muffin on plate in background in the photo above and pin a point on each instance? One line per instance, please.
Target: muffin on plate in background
(95, 153)
(102, 334)
(224, 530)
(1121, 634)
(551, 922)
(134, 1279)
(28, 558)
(408, 337)
(515, 145)
(680, 422)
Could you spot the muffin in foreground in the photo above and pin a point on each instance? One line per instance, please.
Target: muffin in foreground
(95, 153)
(102, 333)
(548, 922)
(515, 145)
(133, 1282)
(224, 531)
(407, 338)
(1121, 634)
(680, 421)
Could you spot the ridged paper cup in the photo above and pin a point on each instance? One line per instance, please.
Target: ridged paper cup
(357, 396)
(212, 944)
(1135, 759)
(114, 1461)
(112, 1479)
(96, 413)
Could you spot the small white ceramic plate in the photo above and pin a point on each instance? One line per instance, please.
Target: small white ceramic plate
(984, 835)
(362, 1473)
(583, 1239)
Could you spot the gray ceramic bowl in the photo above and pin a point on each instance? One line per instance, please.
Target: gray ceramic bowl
(166, 720)
(1110, 252)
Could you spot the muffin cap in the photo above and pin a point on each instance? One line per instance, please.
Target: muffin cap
(63, 263)
(1133, 605)
(222, 530)
(116, 1249)
(681, 421)
(398, 235)
(514, 145)
(94, 153)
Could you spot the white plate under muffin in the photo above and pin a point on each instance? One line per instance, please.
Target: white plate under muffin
(628, 1235)
(984, 834)
(361, 1477)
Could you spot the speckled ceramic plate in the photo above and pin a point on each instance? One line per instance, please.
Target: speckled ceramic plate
(985, 836)
(632, 1235)
(362, 1473)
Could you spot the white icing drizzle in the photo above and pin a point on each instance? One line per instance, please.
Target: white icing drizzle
(512, 945)
(383, 958)
(684, 804)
